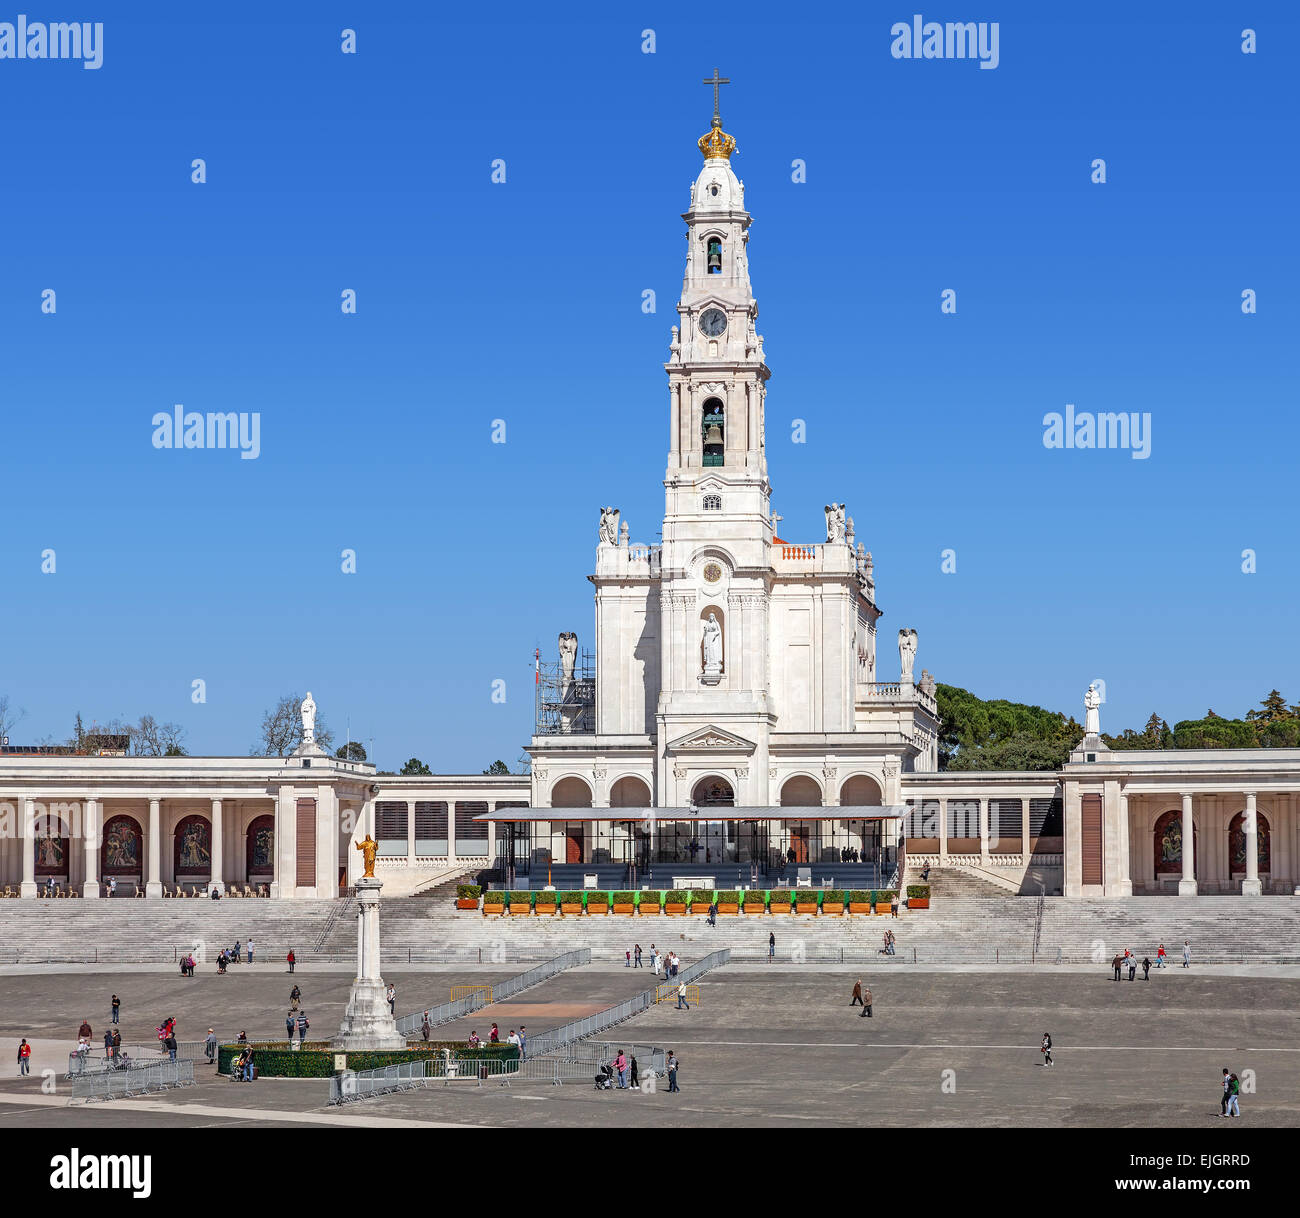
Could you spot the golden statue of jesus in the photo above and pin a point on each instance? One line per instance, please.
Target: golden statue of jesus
(369, 848)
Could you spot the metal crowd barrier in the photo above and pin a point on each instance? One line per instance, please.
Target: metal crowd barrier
(135, 1080)
(447, 1012)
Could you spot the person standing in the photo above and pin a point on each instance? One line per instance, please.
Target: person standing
(239, 948)
(672, 1063)
(681, 997)
(513, 1039)
(248, 1064)
(627, 958)
(108, 1042)
(1046, 1049)
(169, 1043)
(117, 1043)
(494, 1036)
(303, 1024)
(250, 951)
(1117, 964)
(866, 1004)
(1146, 968)
(620, 1068)
(636, 953)
(857, 993)
(635, 1080)
(290, 1022)
(523, 1042)
(771, 946)
(1132, 967)
(425, 1027)
(1187, 953)
(117, 1006)
(1234, 1091)
(295, 996)
(1223, 1103)
(391, 998)
(210, 1047)
(292, 959)
(1160, 956)
(24, 1057)
(84, 1032)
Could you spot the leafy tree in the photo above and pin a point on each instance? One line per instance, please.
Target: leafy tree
(352, 751)
(994, 735)
(497, 767)
(415, 767)
(281, 730)
(1275, 709)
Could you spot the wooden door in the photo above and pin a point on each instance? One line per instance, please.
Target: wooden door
(799, 844)
(574, 846)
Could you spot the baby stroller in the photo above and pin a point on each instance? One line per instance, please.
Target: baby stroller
(605, 1079)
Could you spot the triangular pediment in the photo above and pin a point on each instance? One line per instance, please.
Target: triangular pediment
(709, 740)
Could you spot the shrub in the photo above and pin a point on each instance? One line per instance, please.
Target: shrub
(652, 897)
(755, 896)
(918, 890)
(468, 892)
(570, 898)
(519, 897)
(887, 894)
(860, 896)
(675, 896)
(781, 896)
(625, 898)
(727, 897)
(547, 898)
(597, 898)
(806, 896)
(316, 1058)
(833, 897)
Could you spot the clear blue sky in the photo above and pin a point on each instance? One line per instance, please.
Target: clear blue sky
(522, 301)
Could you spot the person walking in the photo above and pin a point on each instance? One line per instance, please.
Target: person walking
(771, 946)
(250, 951)
(1223, 1103)
(494, 1036)
(239, 948)
(108, 1042)
(636, 954)
(866, 1004)
(1160, 956)
(1046, 1049)
(523, 1042)
(627, 958)
(620, 1068)
(857, 993)
(303, 1024)
(425, 1027)
(1187, 953)
(1117, 964)
(117, 1006)
(1146, 968)
(210, 1047)
(248, 1064)
(1234, 1091)
(654, 960)
(292, 959)
(681, 997)
(1132, 967)
(672, 1063)
(290, 1022)
(634, 1081)
(295, 997)
(893, 904)
(24, 1057)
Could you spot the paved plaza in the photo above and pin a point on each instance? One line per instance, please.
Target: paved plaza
(768, 1045)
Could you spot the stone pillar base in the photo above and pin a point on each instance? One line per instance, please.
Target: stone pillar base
(1251, 888)
(28, 889)
(1124, 888)
(90, 890)
(216, 886)
(274, 890)
(367, 1023)
(1187, 888)
(153, 889)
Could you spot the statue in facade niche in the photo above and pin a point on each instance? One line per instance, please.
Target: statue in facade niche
(609, 525)
(907, 653)
(927, 682)
(568, 656)
(712, 645)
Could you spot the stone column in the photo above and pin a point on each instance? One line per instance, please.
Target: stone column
(1250, 886)
(286, 844)
(943, 830)
(410, 833)
(451, 832)
(218, 852)
(367, 1022)
(153, 883)
(1187, 885)
(27, 816)
(984, 830)
(90, 826)
(1125, 853)
(1024, 830)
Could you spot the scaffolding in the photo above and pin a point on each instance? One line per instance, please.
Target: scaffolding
(565, 706)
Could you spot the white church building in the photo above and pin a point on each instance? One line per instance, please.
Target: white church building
(735, 724)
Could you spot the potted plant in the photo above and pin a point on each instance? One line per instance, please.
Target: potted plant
(675, 901)
(624, 902)
(884, 899)
(833, 901)
(779, 900)
(650, 903)
(467, 896)
(494, 902)
(728, 901)
(545, 903)
(597, 902)
(805, 901)
(755, 901)
(520, 901)
(571, 902)
(918, 896)
(860, 901)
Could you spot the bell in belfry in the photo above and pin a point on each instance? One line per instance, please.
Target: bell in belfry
(713, 435)
(715, 257)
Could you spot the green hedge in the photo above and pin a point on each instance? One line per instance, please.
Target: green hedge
(624, 898)
(650, 898)
(468, 892)
(572, 898)
(316, 1059)
(918, 890)
(887, 894)
(518, 897)
(778, 897)
(545, 898)
(861, 896)
(727, 896)
(676, 896)
(806, 896)
(834, 897)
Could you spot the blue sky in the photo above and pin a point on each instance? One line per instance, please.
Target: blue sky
(522, 301)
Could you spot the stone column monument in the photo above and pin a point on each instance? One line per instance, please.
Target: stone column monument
(367, 1022)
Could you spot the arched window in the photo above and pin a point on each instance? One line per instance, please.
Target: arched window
(713, 431)
(715, 255)
(713, 503)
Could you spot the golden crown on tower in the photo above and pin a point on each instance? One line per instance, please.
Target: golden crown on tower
(717, 143)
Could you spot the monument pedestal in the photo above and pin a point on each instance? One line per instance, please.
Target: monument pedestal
(367, 1022)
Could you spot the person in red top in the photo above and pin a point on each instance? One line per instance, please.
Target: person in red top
(24, 1057)
(1160, 957)
(494, 1036)
(84, 1030)
(292, 959)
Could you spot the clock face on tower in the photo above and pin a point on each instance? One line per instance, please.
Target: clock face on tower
(713, 322)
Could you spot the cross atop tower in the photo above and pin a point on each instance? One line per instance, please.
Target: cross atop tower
(715, 80)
